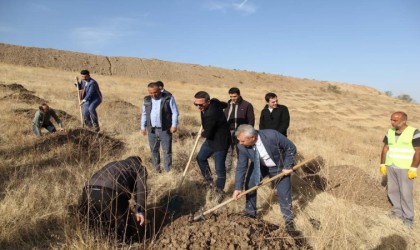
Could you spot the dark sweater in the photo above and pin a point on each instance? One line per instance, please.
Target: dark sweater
(278, 119)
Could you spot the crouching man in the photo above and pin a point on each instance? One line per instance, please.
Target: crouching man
(105, 200)
(42, 119)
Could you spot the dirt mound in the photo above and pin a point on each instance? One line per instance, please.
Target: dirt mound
(78, 146)
(25, 97)
(128, 116)
(356, 186)
(225, 231)
(81, 145)
(16, 87)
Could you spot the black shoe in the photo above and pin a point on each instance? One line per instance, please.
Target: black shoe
(290, 228)
(220, 195)
(248, 215)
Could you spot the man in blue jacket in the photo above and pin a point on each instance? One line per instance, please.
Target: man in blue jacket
(91, 97)
(270, 153)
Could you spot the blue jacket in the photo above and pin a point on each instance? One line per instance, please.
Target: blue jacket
(281, 150)
(92, 92)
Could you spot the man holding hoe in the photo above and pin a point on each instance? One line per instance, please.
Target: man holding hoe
(90, 98)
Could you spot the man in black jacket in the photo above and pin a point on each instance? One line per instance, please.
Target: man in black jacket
(274, 116)
(106, 195)
(218, 139)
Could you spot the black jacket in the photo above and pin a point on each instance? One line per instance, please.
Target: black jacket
(216, 128)
(278, 119)
(125, 176)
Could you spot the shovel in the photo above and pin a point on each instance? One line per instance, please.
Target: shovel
(175, 202)
(202, 214)
(78, 99)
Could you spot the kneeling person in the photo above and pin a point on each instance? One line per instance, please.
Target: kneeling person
(42, 119)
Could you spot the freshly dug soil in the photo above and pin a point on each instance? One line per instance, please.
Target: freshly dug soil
(225, 231)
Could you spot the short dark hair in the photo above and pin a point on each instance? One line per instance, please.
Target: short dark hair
(160, 84)
(153, 85)
(202, 94)
(269, 96)
(85, 72)
(234, 90)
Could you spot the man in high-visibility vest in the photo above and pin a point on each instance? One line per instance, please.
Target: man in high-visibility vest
(399, 161)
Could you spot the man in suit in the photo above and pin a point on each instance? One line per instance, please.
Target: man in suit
(217, 134)
(270, 153)
(91, 98)
(274, 116)
(106, 195)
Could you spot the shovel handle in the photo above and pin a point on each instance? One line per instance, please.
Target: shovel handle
(78, 100)
(253, 188)
(189, 159)
(192, 151)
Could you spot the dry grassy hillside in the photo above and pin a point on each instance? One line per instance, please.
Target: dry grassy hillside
(343, 206)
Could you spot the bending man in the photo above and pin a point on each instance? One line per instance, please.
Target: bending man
(105, 198)
(270, 153)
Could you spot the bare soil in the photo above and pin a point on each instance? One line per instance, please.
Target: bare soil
(226, 231)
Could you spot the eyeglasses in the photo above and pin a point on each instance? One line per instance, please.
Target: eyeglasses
(199, 104)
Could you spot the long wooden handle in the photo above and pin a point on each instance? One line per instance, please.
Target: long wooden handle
(78, 101)
(256, 187)
(190, 158)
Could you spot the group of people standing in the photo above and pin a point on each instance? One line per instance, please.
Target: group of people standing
(229, 130)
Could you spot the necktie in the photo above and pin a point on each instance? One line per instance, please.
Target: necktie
(256, 173)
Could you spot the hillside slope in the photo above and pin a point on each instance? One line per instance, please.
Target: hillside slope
(343, 206)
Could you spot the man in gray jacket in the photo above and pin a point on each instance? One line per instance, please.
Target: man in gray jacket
(42, 119)
(271, 153)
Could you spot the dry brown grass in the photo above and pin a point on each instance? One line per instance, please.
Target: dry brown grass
(39, 189)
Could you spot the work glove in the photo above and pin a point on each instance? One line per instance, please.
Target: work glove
(382, 169)
(412, 173)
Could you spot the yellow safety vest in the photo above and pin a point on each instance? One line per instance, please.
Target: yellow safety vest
(400, 153)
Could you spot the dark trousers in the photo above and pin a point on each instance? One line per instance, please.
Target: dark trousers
(47, 125)
(89, 113)
(284, 193)
(108, 212)
(219, 161)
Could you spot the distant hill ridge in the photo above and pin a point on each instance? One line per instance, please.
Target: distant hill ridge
(130, 67)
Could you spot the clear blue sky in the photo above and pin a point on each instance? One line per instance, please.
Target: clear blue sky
(368, 42)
